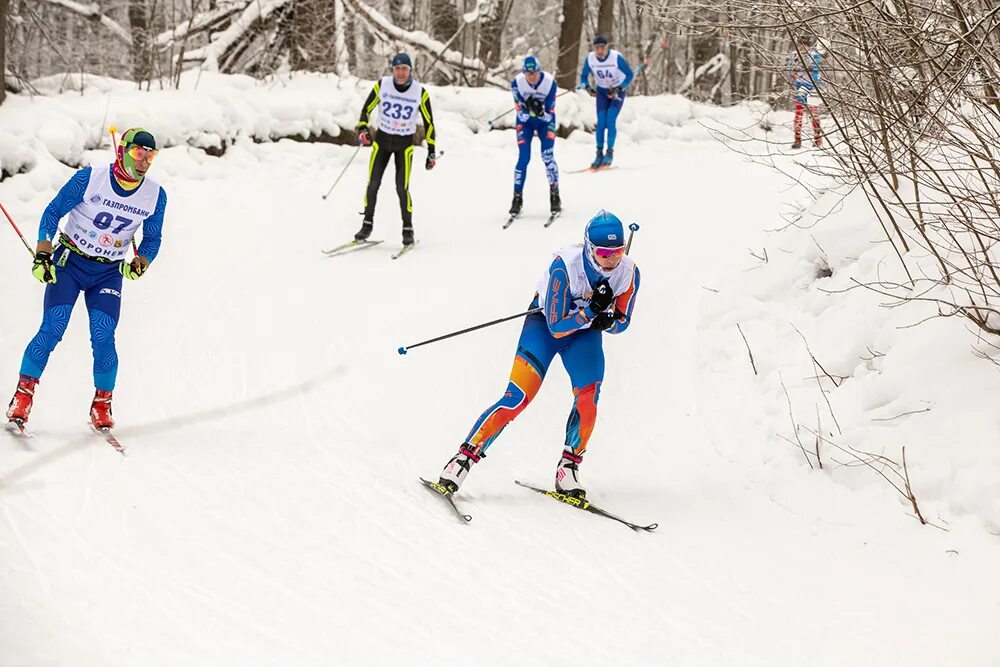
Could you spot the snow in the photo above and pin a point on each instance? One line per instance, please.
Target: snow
(268, 511)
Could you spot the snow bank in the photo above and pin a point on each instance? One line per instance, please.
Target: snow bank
(213, 111)
(885, 377)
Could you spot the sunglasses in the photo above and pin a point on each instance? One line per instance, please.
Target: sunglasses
(609, 252)
(137, 152)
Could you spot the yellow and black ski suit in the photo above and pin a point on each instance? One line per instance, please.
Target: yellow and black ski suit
(386, 146)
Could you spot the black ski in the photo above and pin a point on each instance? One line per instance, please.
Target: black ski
(552, 217)
(350, 246)
(586, 505)
(405, 249)
(448, 496)
(511, 219)
(108, 438)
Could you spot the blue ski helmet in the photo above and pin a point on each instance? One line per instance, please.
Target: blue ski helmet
(531, 64)
(604, 230)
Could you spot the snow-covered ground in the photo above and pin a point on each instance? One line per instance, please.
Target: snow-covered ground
(268, 512)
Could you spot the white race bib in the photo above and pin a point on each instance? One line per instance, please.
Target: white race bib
(103, 224)
(579, 287)
(606, 72)
(397, 112)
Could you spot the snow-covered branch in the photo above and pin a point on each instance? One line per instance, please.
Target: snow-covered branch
(198, 23)
(418, 39)
(254, 12)
(93, 12)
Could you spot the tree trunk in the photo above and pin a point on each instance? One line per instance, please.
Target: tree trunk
(605, 18)
(491, 25)
(312, 46)
(444, 25)
(3, 50)
(142, 61)
(569, 43)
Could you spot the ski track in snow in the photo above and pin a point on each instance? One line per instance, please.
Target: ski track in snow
(297, 532)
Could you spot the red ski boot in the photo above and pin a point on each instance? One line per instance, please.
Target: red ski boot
(100, 410)
(24, 395)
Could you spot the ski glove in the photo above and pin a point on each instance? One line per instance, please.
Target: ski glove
(535, 106)
(42, 268)
(431, 161)
(614, 93)
(600, 299)
(364, 136)
(603, 321)
(136, 269)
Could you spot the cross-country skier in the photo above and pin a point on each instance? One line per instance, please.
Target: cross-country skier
(535, 100)
(587, 290)
(804, 81)
(399, 99)
(612, 75)
(106, 205)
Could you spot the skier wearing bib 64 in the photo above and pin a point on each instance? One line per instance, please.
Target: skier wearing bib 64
(535, 101)
(398, 99)
(105, 205)
(612, 75)
(585, 292)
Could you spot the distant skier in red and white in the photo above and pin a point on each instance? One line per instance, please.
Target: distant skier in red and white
(105, 205)
(586, 291)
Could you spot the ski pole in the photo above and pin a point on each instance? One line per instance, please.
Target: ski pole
(343, 171)
(11, 220)
(633, 228)
(496, 118)
(406, 348)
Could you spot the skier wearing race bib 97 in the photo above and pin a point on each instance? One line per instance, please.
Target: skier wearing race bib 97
(585, 292)
(106, 205)
(398, 99)
(535, 100)
(612, 76)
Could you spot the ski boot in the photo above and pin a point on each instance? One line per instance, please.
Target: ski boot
(818, 142)
(365, 231)
(458, 467)
(20, 405)
(568, 475)
(608, 157)
(797, 145)
(516, 203)
(599, 160)
(100, 410)
(407, 235)
(555, 204)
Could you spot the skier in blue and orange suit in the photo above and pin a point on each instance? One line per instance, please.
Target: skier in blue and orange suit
(587, 291)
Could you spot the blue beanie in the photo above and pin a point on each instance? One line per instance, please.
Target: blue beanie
(402, 59)
(605, 230)
(531, 64)
(600, 39)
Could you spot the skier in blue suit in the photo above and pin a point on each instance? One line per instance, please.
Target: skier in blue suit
(612, 76)
(104, 206)
(535, 100)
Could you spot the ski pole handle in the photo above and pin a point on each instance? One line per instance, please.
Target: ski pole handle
(632, 229)
(11, 221)
(342, 172)
(406, 348)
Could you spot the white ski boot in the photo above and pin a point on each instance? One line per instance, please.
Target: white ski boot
(568, 475)
(458, 467)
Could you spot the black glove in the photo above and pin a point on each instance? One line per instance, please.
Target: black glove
(601, 298)
(603, 321)
(614, 93)
(431, 159)
(535, 106)
(42, 268)
(591, 91)
(364, 136)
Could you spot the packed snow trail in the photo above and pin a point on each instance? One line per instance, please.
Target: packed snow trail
(290, 528)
